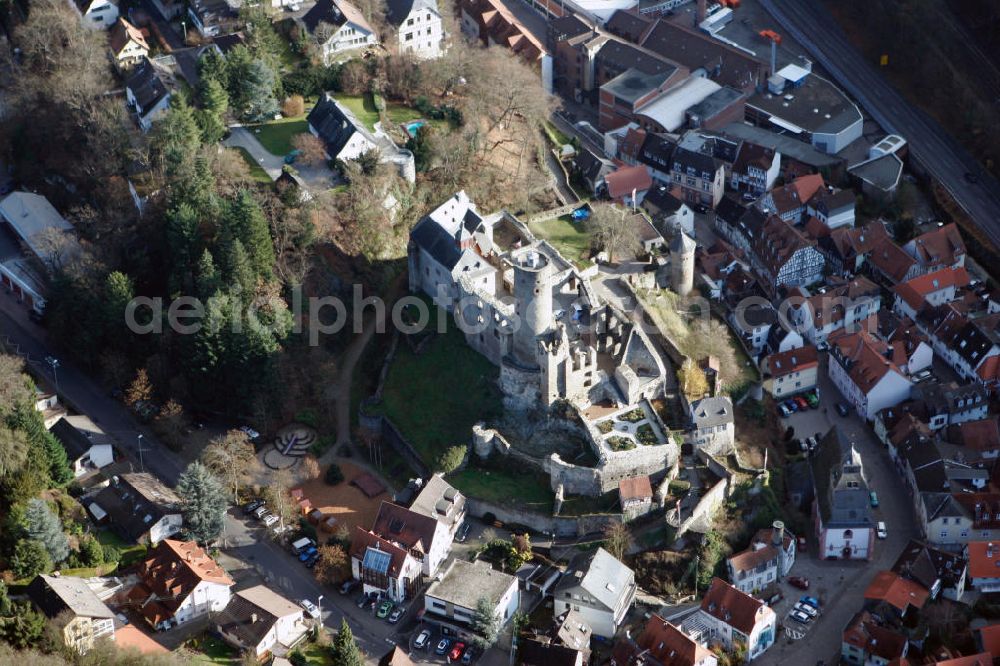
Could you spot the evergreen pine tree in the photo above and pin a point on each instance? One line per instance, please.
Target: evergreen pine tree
(207, 277)
(246, 222)
(44, 527)
(204, 502)
(344, 649)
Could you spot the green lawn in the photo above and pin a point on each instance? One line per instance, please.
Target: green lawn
(557, 138)
(256, 171)
(567, 236)
(130, 552)
(435, 398)
(582, 505)
(362, 107)
(276, 137)
(317, 655)
(210, 650)
(519, 487)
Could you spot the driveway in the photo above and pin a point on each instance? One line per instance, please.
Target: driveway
(840, 585)
(241, 137)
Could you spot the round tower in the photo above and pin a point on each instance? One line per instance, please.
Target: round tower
(533, 301)
(682, 264)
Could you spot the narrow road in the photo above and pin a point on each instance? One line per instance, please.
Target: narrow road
(938, 152)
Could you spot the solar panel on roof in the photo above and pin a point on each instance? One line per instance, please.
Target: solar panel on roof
(376, 560)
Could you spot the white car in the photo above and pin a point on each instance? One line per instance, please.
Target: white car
(785, 412)
(250, 432)
(881, 531)
(310, 609)
(260, 512)
(422, 640)
(270, 519)
(807, 609)
(799, 616)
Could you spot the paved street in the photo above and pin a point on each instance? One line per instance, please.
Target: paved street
(945, 159)
(841, 585)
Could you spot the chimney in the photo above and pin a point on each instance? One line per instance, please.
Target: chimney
(253, 618)
(702, 13)
(778, 534)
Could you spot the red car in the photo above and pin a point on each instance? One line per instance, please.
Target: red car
(801, 402)
(456, 651)
(799, 582)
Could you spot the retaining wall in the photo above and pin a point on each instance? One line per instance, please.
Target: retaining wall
(561, 526)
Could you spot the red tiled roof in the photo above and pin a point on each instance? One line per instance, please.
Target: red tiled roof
(778, 242)
(990, 638)
(668, 645)
(622, 182)
(866, 358)
(943, 246)
(793, 360)
(915, 291)
(862, 632)
(171, 572)
(983, 435)
(737, 609)
(638, 487)
(891, 260)
(984, 560)
(797, 193)
(131, 637)
(981, 659)
(896, 591)
(411, 530)
(632, 142)
(122, 33)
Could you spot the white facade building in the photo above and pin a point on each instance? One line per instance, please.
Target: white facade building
(600, 588)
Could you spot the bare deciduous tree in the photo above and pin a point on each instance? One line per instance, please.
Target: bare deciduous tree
(617, 540)
(312, 150)
(232, 458)
(612, 230)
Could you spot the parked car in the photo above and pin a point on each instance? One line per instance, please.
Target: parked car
(423, 639)
(250, 432)
(250, 507)
(310, 608)
(349, 586)
(302, 544)
(922, 376)
(881, 531)
(260, 512)
(383, 610)
(812, 601)
(307, 553)
(791, 405)
(311, 562)
(469, 655)
(873, 496)
(843, 409)
(396, 615)
(785, 412)
(807, 609)
(799, 582)
(799, 616)
(270, 519)
(442, 646)
(801, 402)
(457, 651)
(463, 532)
(812, 399)
(811, 442)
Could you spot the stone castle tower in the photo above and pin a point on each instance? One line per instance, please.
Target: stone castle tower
(682, 264)
(533, 295)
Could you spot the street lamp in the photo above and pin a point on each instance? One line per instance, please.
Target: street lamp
(139, 448)
(319, 605)
(54, 364)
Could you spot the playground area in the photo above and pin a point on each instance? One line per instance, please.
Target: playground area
(345, 502)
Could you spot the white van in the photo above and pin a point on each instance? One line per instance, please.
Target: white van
(881, 531)
(302, 544)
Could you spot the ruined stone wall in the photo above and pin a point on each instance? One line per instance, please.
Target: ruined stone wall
(561, 526)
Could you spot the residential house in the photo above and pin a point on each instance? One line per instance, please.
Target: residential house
(128, 45)
(737, 224)
(712, 424)
(869, 642)
(96, 14)
(783, 338)
(700, 177)
(728, 617)
(212, 18)
(179, 582)
(929, 289)
(755, 169)
(339, 27)
(147, 91)
(971, 346)
(982, 436)
(664, 644)
(861, 367)
(847, 248)
(984, 572)
(635, 495)
(87, 447)
(940, 572)
(951, 403)
(505, 24)
(450, 242)
(396, 656)
(452, 600)
(384, 567)
(566, 642)
(891, 594)
(834, 208)
(88, 619)
(842, 515)
(784, 256)
(842, 307)
(39, 243)
(423, 537)
(260, 621)
(347, 138)
(592, 170)
(47, 404)
(753, 323)
(139, 507)
(598, 587)
(668, 213)
(657, 153)
(767, 560)
(939, 248)
(790, 201)
(791, 372)
(418, 27)
(629, 184)
(894, 265)
(439, 500)
(912, 351)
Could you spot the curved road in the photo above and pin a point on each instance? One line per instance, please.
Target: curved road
(941, 155)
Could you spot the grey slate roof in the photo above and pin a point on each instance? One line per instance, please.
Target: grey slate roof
(600, 574)
(700, 162)
(713, 411)
(74, 441)
(251, 613)
(135, 497)
(841, 489)
(146, 85)
(440, 501)
(54, 594)
(335, 124)
(437, 242)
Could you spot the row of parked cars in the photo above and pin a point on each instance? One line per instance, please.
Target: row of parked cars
(805, 610)
(799, 403)
(454, 649)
